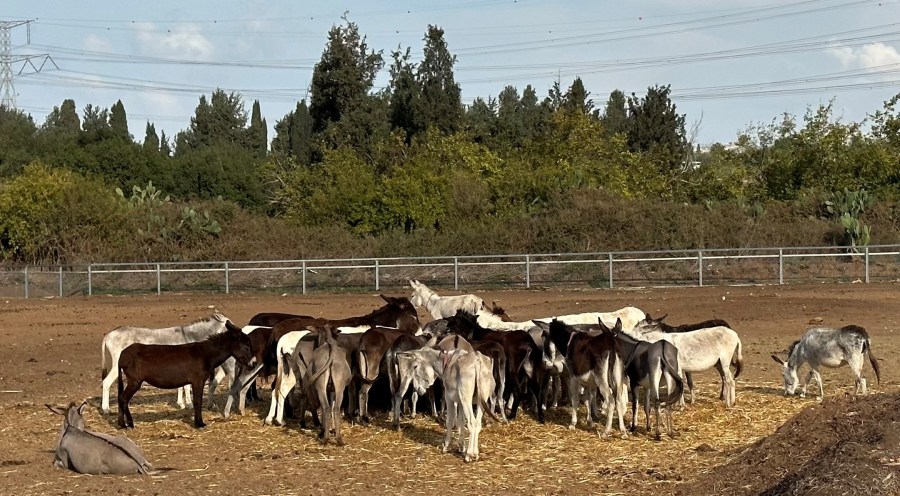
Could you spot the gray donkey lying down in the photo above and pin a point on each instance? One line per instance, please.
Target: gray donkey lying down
(94, 453)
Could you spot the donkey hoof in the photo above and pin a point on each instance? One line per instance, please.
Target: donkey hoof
(445, 449)
(339, 441)
(199, 425)
(571, 427)
(624, 435)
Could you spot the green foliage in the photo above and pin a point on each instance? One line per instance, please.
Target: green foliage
(118, 121)
(17, 135)
(294, 135)
(405, 95)
(257, 133)
(441, 104)
(45, 214)
(342, 79)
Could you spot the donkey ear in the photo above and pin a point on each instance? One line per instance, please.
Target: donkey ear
(386, 298)
(662, 318)
(618, 326)
(82, 407)
(603, 326)
(55, 409)
(543, 325)
(777, 359)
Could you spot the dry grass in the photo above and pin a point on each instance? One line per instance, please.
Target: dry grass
(521, 455)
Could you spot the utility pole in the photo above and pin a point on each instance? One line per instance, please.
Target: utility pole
(8, 60)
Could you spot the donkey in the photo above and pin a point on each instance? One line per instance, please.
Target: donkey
(370, 355)
(594, 362)
(828, 347)
(172, 366)
(327, 378)
(441, 307)
(468, 379)
(701, 350)
(523, 358)
(94, 453)
(646, 364)
(664, 327)
(396, 378)
(119, 338)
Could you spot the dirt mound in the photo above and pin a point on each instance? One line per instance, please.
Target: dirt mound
(846, 445)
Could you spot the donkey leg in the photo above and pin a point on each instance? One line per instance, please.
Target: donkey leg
(108, 382)
(198, 404)
(364, 402)
(818, 377)
(805, 384)
(125, 420)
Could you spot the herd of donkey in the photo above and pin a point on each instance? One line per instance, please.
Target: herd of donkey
(479, 360)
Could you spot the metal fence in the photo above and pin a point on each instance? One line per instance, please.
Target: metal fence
(598, 270)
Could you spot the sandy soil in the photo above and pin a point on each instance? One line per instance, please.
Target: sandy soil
(50, 353)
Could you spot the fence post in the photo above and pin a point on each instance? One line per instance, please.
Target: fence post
(456, 273)
(867, 264)
(158, 281)
(303, 269)
(527, 271)
(780, 266)
(227, 289)
(700, 265)
(610, 259)
(90, 282)
(60, 282)
(26, 282)
(377, 283)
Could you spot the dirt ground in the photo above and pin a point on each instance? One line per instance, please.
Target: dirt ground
(50, 353)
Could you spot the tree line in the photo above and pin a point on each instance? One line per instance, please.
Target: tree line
(411, 158)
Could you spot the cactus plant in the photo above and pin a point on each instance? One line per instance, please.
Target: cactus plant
(847, 206)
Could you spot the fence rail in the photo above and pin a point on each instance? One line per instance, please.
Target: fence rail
(600, 269)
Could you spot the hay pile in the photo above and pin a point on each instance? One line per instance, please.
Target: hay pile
(846, 445)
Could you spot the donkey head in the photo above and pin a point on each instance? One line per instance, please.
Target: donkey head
(73, 414)
(241, 347)
(788, 373)
(498, 311)
(413, 364)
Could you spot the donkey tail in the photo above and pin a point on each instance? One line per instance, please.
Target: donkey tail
(867, 349)
(672, 370)
(312, 380)
(738, 360)
(121, 385)
(481, 397)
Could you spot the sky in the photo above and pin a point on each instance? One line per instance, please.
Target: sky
(730, 64)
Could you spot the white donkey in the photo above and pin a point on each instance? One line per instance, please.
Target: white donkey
(442, 307)
(120, 338)
(828, 347)
(701, 350)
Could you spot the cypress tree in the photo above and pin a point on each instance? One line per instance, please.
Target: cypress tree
(441, 102)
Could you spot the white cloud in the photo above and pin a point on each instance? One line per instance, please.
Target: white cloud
(96, 43)
(183, 41)
(866, 57)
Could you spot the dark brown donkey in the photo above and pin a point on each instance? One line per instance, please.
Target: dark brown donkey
(173, 366)
(371, 362)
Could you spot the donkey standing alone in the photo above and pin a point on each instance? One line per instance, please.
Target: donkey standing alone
(828, 347)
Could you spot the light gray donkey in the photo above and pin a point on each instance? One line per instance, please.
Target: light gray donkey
(828, 347)
(94, 453)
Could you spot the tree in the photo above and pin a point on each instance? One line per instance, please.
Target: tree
(165, 149)
(64, 118)
(293, 135)
(17, 133)
(151, 140)
(615, 117)
(481, 120)
(405, 94)
(576, 98)
(343, 77)
(510, 128)
(656, 128)
(258, 132)
(441, 103)
(118, 121)
(95, 125)
(221, 120)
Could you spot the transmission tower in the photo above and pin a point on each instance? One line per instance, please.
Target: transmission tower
(9, 61)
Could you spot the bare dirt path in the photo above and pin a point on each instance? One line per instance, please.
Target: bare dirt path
(50, 352)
